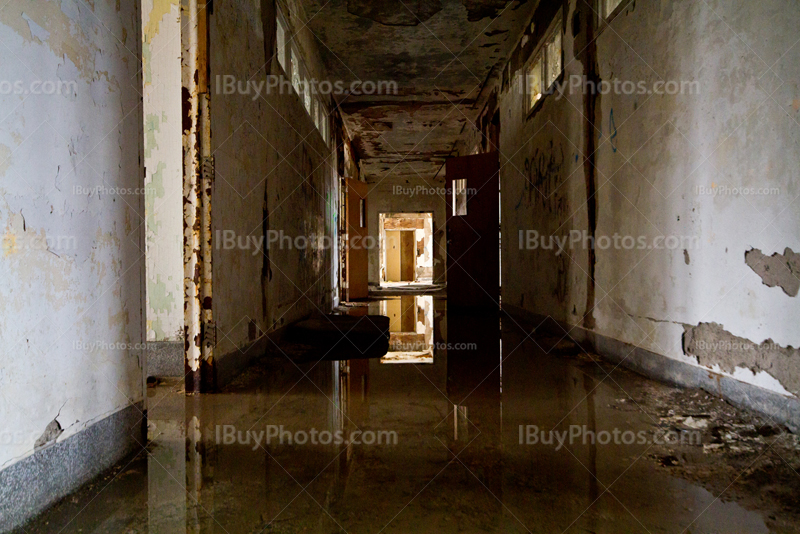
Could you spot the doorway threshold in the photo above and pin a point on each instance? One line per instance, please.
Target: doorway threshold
(405, 288)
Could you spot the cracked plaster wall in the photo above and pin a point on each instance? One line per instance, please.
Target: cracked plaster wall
(654, 155)
(274, 173)
(161, 65)
(71, 265)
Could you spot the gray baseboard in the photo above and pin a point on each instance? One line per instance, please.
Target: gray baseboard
(232, 363)
(782, 409)
(31, 485)
(165, 358)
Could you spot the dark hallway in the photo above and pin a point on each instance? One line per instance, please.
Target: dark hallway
(366, 266)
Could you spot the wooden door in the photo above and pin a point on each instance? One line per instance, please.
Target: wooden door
(473, 231)
(356, 250)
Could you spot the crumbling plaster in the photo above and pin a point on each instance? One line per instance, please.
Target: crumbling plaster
(161, 69)
(655, 155)
(439, 54)
(71, 270)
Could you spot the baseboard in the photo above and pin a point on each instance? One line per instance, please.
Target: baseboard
(232, 363)
(782, 409)
(165, 358)
(31, 485)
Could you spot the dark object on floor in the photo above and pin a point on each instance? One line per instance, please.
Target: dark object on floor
(342, 337)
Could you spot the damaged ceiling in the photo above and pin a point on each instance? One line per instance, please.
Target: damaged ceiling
(440, 53)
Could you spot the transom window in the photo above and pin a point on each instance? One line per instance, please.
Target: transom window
(607, 7)
(294, 67)
(545, 65)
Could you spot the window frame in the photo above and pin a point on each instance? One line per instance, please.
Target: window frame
(540, 55)
(315, 107)
(280, 41)
(295, 71)
(459, 193)
(604, 19)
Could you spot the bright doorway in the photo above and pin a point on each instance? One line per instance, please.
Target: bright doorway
(406, 255)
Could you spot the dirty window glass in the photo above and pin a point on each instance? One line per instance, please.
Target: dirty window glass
(281, 51)
(554, 56)
(534, 81)
(295, 71)
(460, 197)
(609, 7)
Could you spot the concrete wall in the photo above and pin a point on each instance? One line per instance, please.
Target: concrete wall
(161, 66)
(274, 176)
(72, 262)
(649, 157)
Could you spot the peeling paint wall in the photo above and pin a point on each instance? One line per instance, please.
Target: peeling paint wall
(652, 165)
(161, 66)
(275, 176)
(71, 213)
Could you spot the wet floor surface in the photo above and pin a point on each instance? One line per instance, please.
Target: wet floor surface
(459, 443)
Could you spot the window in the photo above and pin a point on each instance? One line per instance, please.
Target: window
(281, 50)
(534, 82)
(554, 57)
(608, 7)
(303, 87)
(459, 197)
(295, 66)
(545, 66)
(307, 95)
(362, 213)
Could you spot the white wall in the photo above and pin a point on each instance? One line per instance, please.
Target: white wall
(161, 51)
(740, 128)
(71, 268)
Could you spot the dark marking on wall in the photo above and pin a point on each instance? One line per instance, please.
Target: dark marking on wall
(586, 45)
(612, 131)
(713, 345)
(781, 270)
(270, 46)
(268, 26)
(686, 256)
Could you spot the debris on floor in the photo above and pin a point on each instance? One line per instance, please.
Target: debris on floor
(732, 452)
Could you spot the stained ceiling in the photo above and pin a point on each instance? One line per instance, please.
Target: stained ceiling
(440, 53)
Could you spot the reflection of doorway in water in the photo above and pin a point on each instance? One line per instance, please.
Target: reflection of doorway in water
(410, 329)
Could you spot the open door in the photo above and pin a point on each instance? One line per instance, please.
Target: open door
(356, 250)
(473, 231)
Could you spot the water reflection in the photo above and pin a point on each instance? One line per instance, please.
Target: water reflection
(411, 328)
(459, 463)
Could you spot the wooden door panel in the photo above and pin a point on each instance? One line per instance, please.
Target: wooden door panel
(357, 253)
(473, 235)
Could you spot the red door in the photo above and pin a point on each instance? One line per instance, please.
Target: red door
(473, 231)
(357, 253)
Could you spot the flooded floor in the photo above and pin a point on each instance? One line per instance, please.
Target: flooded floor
(467, 425)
